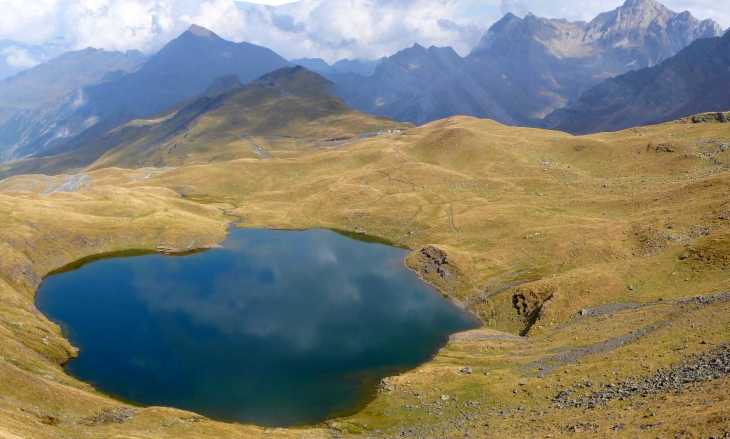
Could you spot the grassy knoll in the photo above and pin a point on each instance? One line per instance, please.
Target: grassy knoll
(588, 246)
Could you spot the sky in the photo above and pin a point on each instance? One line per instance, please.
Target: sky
(329, 29)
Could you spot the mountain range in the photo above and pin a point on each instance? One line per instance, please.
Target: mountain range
(287, 105)
(35, 100)
(527, 71)
(524, 68)
(183, 68)
(694, 81)
(594, 265)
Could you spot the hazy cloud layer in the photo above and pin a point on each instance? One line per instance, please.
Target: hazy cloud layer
(20, 57)
(15, 56)
(331, 29)
(367, 28)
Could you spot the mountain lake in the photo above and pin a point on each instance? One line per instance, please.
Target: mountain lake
(277, 328)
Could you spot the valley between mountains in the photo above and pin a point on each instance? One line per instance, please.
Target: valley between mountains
(566, 183)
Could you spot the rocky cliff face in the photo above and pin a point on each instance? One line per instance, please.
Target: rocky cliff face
(646, 33)
(525, 68)
(694, 81)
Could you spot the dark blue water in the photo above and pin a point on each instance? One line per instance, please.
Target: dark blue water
(277, 328)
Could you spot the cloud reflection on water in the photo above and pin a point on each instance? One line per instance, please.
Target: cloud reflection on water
(268, 288)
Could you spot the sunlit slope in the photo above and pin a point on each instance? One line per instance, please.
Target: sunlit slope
(291, 105)
(592, 247)
(508, 204)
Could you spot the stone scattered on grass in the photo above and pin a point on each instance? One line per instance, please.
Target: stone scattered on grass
(707, 366)
(112, 416)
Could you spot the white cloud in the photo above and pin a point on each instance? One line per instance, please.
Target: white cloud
(269, 2)
(109, 24)
(331, 29)
(20, 58)
(335, 29)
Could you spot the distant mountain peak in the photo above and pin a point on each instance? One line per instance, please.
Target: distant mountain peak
(200, 31)
(644, 6)
(640, 3)
(283, 72)
(299, 80)
(503, 22)
(224, 82)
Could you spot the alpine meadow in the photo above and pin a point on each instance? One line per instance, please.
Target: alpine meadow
(565, 186)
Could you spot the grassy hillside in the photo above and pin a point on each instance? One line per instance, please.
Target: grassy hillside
(583, 255)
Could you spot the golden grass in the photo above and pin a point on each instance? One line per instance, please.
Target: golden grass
(547, 221)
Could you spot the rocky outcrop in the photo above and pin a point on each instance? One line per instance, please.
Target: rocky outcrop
(555, 61)
(436, 267)
(529, 300)
(638, 34)
(436, 261)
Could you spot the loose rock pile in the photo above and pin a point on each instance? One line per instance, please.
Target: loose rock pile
(708, 366)
(112, 416)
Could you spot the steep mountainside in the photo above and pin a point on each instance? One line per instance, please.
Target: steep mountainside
(694, 81)
(34, 98)
(523, 69)
(419, 85)
(183, 68)
(290, 107)
(55, 79)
